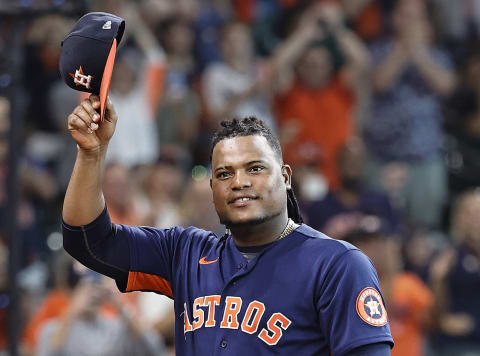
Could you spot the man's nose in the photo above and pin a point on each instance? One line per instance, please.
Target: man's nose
(241, 180)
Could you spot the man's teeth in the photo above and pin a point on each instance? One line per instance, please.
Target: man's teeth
(243, 199)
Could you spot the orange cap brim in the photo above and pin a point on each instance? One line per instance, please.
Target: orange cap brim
(107, 77)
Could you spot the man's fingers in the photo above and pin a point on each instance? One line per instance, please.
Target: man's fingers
(95, 101)
(85, 116)
(88, 107)
(110, 112)
(77, 123)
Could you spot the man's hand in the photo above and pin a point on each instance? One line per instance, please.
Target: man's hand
(84, 125)
(332, 15)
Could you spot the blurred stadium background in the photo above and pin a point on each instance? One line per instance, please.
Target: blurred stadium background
(376, 103)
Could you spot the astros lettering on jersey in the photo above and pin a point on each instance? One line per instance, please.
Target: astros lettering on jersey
(305, 294)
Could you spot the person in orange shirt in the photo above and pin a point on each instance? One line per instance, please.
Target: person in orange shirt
(318, 89)
(409, 302)
(59, 299)
(55, 303)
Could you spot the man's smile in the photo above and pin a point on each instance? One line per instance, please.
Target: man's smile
(242, 200)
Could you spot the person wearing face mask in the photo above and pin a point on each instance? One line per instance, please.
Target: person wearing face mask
(333, 213)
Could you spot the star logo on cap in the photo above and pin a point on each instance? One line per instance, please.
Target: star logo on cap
(79, 78)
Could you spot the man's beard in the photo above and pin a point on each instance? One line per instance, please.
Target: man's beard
(255, 221)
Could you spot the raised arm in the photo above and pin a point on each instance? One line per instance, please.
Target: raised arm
(355, 53)
(440, 79)
(413, 45)
(318, 21)
(452, 323)
(154, 72)
(287, 53)
(88, 233)
(418, 40)
(389, 69)
(84, 198)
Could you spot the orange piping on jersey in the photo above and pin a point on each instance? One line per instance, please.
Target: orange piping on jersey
(146, 281)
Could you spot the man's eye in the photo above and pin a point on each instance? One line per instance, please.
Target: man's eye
(223, 175)
(256, 169)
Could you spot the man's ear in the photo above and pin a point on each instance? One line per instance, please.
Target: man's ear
(287, 175)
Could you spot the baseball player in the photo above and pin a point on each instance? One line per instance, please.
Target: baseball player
(271, 285)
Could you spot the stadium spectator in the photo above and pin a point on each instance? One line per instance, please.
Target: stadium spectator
(195, 214)
(136, 85)
(458, 24)
(42, 52)
(300, 64)
(455, 280)
(237, 86)
(420, 248)
(463, 127)
(55, 302)
(162, 187)
(179, 111)
(408, 299)
(83, 330)
(318, 89)
(121, 195)
(211, 17)
(410, 76)
(352, 197)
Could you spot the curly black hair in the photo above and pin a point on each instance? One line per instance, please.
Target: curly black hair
(250, 126)
(246, 127)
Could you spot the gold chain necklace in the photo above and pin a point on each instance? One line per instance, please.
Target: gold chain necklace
(288, 229)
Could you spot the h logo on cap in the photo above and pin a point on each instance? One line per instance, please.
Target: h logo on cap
(88, 47)
(81, 79)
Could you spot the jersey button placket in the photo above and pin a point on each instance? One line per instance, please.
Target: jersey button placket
(223, 344)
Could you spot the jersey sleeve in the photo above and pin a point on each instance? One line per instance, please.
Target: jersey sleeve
(350, 307)
(138, 258)
(381, 349)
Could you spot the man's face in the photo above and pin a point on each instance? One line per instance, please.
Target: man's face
(469, 212)
(248, 182)
(315, 68)
(351, 163)
(236, 42)
(179, 39)
(117, 185)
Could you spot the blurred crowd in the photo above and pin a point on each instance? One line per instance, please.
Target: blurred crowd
(376, 103)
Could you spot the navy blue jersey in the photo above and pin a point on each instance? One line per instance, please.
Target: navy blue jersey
(305, 294)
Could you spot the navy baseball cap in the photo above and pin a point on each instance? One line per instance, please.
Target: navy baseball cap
(88, 54)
